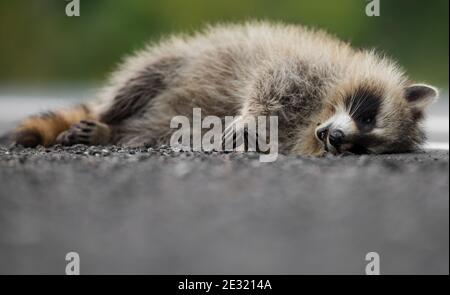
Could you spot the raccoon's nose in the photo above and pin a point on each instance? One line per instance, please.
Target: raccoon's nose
(336, 138)
(322, 133)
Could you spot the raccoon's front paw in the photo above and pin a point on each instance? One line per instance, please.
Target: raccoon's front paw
(85, 132)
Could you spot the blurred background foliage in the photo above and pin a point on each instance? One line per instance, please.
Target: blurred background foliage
(40, 45)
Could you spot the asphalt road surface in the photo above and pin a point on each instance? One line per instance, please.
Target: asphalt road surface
(155, 211)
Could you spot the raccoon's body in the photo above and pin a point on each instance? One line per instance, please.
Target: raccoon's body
(315, 84)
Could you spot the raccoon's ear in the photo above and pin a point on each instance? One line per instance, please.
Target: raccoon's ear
(420, 95)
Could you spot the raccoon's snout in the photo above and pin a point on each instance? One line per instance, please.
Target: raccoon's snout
(322, 133)
(336, 138)
(329, 136)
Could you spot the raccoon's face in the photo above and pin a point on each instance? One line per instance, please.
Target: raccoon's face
(367, 119)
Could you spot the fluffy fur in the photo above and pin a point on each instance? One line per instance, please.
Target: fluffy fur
(303, 76)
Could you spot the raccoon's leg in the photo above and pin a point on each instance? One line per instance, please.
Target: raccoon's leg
(128, 112)
(86, 132)
(132, 97)
(44, 129)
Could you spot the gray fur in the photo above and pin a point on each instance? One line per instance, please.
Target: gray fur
(298, 74)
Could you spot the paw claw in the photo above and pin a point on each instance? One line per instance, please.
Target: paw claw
(85, 132)
(88, 123)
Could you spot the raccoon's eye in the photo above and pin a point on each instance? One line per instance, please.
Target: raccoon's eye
(366, 123)
(368, 120)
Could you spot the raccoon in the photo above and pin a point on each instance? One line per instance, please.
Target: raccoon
(328, 96)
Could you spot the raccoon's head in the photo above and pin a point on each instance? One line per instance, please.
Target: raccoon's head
(375, 116)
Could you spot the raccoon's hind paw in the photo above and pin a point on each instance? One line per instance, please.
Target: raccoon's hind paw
(26, 138)
(85, 132)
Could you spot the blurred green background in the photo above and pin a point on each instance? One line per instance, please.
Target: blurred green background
(40, 45)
